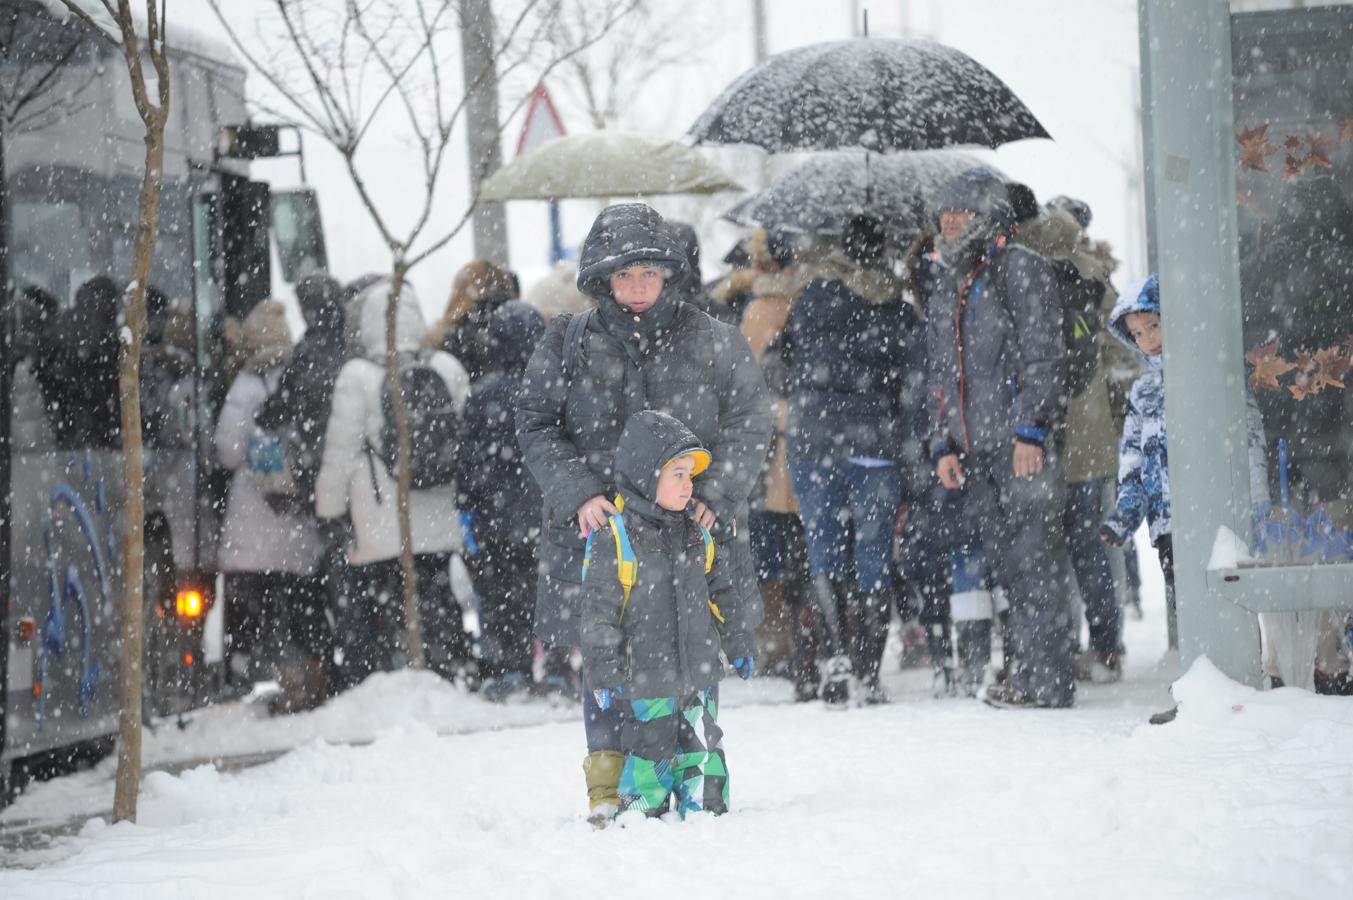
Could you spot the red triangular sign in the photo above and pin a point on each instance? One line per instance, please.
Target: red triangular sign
(542, 121)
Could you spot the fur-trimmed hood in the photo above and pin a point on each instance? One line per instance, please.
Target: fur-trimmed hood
(877, 286)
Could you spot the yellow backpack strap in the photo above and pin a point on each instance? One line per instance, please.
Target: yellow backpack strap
(709, 564)
(627, 566)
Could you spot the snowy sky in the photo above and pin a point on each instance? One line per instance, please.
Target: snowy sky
(1073, 63)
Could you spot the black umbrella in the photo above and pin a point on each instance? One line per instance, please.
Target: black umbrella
(869, 93)
(821, 195)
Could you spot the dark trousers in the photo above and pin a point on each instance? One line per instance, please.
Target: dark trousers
(603, 726)
(1090, 561)
(371, 627)
(1165, 551)
(505, 573)
(1020, 520)
(269, 616)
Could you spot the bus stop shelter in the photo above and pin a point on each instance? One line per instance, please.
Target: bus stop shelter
(1248, 127)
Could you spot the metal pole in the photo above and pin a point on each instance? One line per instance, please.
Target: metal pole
(482, 127)
(760, 50)
(556, 234)
(6, 447)
(1187, 79)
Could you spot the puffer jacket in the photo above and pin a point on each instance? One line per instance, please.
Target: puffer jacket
(849, 334)
(351, 478)
(665, 639)
(491, 474)
(1143, 452)
(254, 538)
(997, 362)
(672, 358)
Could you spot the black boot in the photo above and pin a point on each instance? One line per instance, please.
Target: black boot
(807, 627)
(974, 653)
(941, 658)
(874, 612)
(836, 668)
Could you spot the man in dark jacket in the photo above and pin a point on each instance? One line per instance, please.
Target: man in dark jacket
(502, 501)
(305, 392)
(653, 638)
(640, 348)
(997, 361)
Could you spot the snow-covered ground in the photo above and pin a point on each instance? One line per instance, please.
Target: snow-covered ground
(1247, 794)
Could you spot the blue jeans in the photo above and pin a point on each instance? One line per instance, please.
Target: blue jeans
(1090, 562)
(831, 500)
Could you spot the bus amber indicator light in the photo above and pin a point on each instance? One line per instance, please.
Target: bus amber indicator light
(189, 604)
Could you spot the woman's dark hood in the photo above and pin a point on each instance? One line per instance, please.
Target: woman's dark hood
(651, 440)
(514, 330)
(625, 235)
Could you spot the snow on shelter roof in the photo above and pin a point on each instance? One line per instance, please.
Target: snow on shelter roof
(180, 37)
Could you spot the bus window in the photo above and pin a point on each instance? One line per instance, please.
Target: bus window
(300, 238)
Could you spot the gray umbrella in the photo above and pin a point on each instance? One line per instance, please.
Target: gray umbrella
(871, 93)
(606, 164)
(821, 195)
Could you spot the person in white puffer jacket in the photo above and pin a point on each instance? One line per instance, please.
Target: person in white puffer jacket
(268, 558)
(353, 482)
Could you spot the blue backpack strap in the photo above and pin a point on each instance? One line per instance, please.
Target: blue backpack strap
(626, 564)
(587, 553)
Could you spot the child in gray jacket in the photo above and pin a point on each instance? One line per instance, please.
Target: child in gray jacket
(658, 606)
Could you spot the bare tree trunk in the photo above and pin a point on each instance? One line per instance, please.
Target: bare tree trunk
(412, 623)
(153, 115)
(133, 475)
(481, 119)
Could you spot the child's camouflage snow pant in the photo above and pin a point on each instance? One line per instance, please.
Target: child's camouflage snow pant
(674, 747)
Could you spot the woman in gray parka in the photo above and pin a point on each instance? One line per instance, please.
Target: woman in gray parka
(640, 348)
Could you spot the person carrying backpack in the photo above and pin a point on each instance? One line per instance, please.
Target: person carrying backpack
(502, 501)
(997, 371)
(1095, 372)
(268, 557)
(640, 348)
(357, 478)
(659, 605)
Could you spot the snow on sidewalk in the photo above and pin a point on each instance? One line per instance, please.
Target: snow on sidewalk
(1247, 794)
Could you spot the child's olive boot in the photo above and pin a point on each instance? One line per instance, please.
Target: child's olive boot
(602, 769)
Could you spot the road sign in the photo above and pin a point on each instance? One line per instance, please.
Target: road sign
(542, 121)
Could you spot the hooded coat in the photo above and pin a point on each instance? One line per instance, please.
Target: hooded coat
(493, 479)
(672, 358)
(996, 357)
(352, 480)
(254, 538)
(665, 640)
(305, 395)
(1143, 453)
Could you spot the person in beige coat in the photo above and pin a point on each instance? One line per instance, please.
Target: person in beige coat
(786, 633)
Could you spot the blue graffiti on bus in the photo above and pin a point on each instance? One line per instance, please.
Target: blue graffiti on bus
(68, 595)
